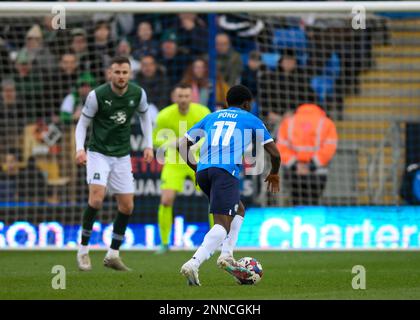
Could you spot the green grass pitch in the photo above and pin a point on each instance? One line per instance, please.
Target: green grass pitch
(287, 275)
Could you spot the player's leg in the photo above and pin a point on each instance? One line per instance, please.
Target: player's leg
(97, 172)
(192, 176)
(125, 209)
(214, 238)
(226, 261)
(211, 220)
(223, 190)
(172, 181)
(211, 242)
(233, 212)
(165, 218)
(317, 186)
(96, 196)
(232, 238)
(121, 183)
(190, 268)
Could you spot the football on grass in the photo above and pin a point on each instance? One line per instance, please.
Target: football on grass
(252, 265)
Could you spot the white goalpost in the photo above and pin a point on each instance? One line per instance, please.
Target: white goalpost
(211, 7)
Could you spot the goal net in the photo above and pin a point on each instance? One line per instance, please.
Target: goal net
(362, 81)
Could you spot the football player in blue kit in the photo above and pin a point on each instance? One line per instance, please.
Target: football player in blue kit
(228, 133)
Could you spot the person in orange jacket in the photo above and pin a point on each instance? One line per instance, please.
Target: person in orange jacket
(307, 142)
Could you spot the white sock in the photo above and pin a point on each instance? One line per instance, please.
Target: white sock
(211, 242)
(83, 250)
(112, 253)
(230, 242)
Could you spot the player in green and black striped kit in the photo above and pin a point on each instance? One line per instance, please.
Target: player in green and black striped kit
(109, 108)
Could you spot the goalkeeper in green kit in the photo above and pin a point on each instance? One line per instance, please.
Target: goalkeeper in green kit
(109, 109)
(171, 124)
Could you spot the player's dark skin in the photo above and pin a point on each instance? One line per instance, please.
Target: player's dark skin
(273, 179)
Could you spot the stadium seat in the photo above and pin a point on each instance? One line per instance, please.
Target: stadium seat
(333, 66)
(294, 38)
(245, 58)
(290, 38)
(324, 84)
(270, 59)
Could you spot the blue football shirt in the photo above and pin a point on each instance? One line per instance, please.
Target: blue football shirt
(228, 133)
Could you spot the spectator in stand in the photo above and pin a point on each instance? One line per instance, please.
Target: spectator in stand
(244, 30)
(40, 56)
(72, 105)
(144, 44)
(27, 185)
(121, 24)
(89, 61)
(9, 177)
(29, 88)
(197, 77)
(192, 34)
(153, 80)
(102, 44)
(6, 65)
(285, 88)
(12, 118)
(33, 185)
(307, 142)
(174, 59)
(160, 22)
(13, 31)
(67, 71)
(253, 70)
(229, 62)
(62, 81)
(54, 39)
(124, 50)
(10, 102)
(329, 55)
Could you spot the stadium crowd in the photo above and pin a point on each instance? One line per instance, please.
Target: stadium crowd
(46, 74)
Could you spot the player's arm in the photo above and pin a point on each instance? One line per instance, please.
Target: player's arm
(66, 109)
(273, 179)
(89, 110)
(156, 141)
(190, 138)
(163, 136)
(184, 148)
(146, 127)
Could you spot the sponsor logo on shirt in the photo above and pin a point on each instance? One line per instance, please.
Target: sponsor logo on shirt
(120, 117)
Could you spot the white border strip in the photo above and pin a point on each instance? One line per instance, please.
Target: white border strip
(208, 7)
(257, 249)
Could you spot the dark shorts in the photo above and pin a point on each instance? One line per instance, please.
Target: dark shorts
(221, 188)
